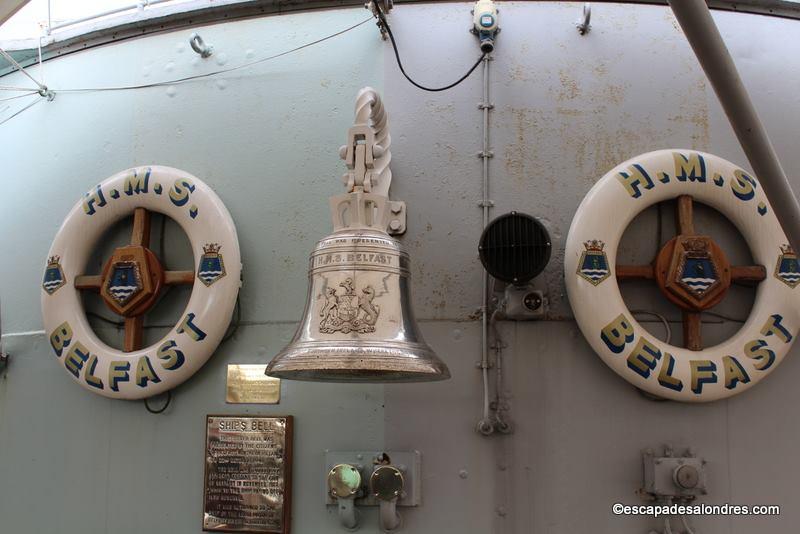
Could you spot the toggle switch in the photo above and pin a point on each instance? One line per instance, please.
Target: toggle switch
(386, 484)
(344, 483)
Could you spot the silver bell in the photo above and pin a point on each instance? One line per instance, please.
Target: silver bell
(358, 324)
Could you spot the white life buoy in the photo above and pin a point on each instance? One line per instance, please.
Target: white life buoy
(185, 348)
(658, 368)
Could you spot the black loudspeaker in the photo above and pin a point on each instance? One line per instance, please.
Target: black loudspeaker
(514, 248)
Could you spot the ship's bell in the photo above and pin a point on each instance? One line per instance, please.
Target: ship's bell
(358, 324)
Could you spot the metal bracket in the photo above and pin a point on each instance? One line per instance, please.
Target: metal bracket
(583, 25)
(398, 218)
(359, 155)
(200, 46)
(386, 6)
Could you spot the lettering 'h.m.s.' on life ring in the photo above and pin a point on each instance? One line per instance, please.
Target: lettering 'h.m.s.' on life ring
(132, 279)
(692, 272)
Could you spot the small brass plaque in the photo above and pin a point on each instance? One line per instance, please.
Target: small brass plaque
(248, 474)
(247, 384)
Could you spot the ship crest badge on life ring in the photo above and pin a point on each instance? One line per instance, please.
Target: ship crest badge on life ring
(212, 266)
(53, 275)
(593, 265)
(787, 270)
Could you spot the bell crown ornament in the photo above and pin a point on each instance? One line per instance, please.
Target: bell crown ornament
(358, 324)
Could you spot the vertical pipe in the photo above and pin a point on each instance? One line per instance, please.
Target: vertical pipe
(704, 37)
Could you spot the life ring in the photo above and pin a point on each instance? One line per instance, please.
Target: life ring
(132, 279)
(691, 271)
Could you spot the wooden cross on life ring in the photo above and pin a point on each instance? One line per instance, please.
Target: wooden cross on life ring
(132, 280)
(692, 272)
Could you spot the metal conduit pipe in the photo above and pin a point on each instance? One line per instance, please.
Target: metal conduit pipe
(485, 425)
(139, 5)
(704, 37)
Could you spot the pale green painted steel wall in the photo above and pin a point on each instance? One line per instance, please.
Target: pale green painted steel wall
(266, 139)
(567, 108)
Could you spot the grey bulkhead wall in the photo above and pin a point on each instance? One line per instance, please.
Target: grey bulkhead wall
(567, 108)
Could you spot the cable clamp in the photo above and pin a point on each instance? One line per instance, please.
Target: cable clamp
(485, 154)
(44, 92)
(485, 105)
(486, 203)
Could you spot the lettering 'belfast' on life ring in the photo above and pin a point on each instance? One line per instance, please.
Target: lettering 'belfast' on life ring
(186, 347)
(665, 370)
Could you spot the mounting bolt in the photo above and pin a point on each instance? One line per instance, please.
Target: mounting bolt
(395, 225)
(396, 207)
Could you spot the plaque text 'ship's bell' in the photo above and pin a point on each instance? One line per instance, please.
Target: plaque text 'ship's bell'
(358, 325)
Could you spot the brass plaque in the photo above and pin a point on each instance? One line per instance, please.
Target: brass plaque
(247, 384)
(248, 474)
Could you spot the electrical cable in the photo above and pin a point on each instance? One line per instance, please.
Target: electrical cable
(234, 326)
(112, 322)
(686, 525)
(160, 410)
(384, 23)
(159, 84)
(501, 424)
(660, 318)
(213, 73)
(724, 317)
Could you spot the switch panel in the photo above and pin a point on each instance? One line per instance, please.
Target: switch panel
(408, 463)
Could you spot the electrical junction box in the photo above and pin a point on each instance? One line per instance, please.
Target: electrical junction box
(676, 478)
(523, 303)
(408, 462)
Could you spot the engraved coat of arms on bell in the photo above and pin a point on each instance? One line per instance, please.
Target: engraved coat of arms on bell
(345, 311)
